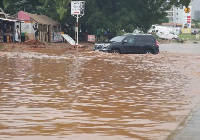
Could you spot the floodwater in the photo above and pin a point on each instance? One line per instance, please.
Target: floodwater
(63, 95)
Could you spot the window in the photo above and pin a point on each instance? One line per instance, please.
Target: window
(144, 38)
(130, 39)
(139, 39)
(148, 38)
(117, 39)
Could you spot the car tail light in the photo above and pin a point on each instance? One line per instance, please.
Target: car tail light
(157, 44)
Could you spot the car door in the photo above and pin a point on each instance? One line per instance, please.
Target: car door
(139, 44)
(127, 45)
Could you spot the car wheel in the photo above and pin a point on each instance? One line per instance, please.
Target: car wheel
(115, 51)
(148, 52)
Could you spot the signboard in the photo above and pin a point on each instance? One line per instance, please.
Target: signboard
(186, 28)
(187, 10)
(77, 7)
(56, 37)
(91, 38)
(69, 39)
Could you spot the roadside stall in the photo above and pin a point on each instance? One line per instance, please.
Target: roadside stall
(7, 30)
(46, 29)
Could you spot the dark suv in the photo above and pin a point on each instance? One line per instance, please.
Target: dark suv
(130, 43)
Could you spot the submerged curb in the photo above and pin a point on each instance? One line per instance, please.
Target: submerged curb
(189, 127)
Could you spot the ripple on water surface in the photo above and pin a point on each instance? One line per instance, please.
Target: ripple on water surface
(92, 95)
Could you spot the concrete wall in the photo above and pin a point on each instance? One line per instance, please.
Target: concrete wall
(27, 28)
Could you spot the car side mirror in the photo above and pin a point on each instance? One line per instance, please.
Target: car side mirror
(125, 41)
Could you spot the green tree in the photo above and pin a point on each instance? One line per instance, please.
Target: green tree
(196, 22)
(115, 15)
(1, 4)
(128, 14)
(12, 7)
(57, 9)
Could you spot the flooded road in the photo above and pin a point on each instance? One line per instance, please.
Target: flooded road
(47, 94)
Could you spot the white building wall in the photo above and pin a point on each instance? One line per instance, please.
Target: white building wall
(178, 12)
(27, 28)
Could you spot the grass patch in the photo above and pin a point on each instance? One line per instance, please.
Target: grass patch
(1, 46)
(187, 37)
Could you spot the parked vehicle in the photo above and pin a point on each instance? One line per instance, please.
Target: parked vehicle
(194, 32)
(129, 44)
(163, 32)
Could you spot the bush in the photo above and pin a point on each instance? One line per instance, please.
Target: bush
(1, 47)
(121, 32)
(154, 34)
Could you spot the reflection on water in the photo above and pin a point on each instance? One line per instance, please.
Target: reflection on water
(93, 95)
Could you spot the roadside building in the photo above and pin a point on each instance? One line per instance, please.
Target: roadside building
(175, 14)
(7, 28)
(2, 14)
(48, 30)
(183, 16)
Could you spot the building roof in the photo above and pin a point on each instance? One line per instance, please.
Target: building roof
(41, 19)
(175, 24)
(5, 19)
(2, 14)
(169, 24)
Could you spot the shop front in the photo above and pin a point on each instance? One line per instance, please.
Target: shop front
(7, 30)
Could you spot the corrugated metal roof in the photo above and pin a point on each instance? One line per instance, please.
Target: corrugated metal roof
(42, 19)
(174, 24)
(5, 19)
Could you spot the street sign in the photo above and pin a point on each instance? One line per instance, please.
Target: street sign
(77, 10)
(91, 38)
(77, 7)
(186, 27)
(187, 10)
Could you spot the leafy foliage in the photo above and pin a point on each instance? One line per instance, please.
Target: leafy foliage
(115, 15)
(13, 6)
(197, 23)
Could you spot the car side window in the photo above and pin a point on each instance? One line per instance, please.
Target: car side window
(149, 38)
(139, 39)
(130, 39)
(144, 38)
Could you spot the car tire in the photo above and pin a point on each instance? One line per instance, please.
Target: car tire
(115, 51)
(148, 52)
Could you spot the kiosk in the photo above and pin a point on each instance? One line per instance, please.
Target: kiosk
(7, 30)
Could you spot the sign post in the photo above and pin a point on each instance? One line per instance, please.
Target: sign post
(77, 10)
(186, 26)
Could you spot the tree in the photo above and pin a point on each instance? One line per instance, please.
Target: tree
(30, 6)
(115, 15)
(1, 3)
(57, 9)
(196, 22)
(128, 14)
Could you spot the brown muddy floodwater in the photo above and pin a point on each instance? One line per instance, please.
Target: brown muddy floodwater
(93, 95)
